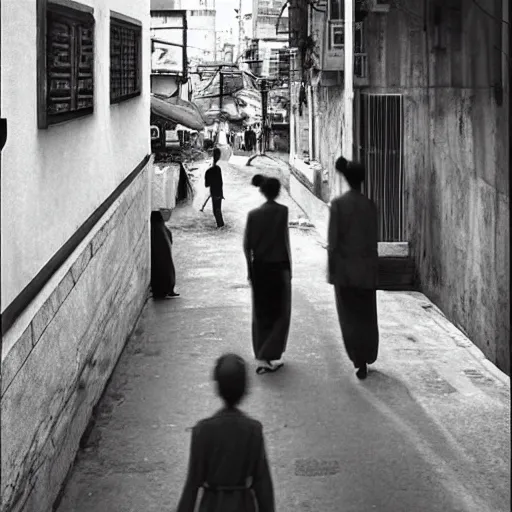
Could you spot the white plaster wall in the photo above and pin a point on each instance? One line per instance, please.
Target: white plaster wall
(53, 180)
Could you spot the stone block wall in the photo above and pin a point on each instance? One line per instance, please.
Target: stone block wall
(54, 374)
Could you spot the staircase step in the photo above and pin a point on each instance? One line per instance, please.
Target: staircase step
(396, 274)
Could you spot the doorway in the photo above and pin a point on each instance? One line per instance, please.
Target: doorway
(380, 119)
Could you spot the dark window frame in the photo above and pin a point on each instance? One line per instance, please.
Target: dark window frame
(119, 21)
(340, 10)
(79, 15)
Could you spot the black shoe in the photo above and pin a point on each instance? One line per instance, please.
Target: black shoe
(362, 373)
(173, 294)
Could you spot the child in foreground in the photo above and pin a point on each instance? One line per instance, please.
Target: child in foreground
(227, 454)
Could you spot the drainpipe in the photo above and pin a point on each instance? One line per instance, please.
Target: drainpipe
(348, 88)
(291, 137)
(347, 142)
(3, 122)
(310, 97)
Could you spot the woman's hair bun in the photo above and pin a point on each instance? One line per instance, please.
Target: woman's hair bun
(257, 180)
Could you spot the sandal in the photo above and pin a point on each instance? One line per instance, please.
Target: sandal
(268, 369)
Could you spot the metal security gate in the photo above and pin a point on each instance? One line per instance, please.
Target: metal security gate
(381, 151)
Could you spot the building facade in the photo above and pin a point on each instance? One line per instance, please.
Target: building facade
(75, 200)
(430, 120)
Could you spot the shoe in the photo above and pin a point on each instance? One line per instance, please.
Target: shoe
(173, 294)
(362, 373)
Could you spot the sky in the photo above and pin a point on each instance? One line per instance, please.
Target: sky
(226, 15)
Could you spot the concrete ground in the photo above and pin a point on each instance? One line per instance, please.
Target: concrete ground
(428, 431)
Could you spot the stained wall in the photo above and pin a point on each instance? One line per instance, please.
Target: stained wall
(456, 156)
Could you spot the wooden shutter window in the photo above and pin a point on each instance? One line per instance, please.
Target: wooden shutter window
(69, 66)
(125, 60)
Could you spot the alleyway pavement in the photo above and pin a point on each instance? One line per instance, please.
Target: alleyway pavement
(428, 431)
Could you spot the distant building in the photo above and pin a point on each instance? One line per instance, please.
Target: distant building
(225, 37)
(269, 35)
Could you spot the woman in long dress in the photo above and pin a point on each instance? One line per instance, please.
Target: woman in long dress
(228, 459)
(268, 255)
(163, 274)
(353, 267)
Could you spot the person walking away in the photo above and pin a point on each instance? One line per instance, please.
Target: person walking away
(353, 267)
(213, 180)
(248, 141)
(228, 458)
(268, 255)
(253, 140)
(163, 273)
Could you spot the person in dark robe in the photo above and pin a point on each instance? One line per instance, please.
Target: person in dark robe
(253, 139)
(247, 139)
(213, 179)
(163, 274)
(353, 267)
(268, 255)
(228, 458)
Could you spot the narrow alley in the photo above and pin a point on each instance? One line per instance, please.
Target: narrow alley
(428, 431)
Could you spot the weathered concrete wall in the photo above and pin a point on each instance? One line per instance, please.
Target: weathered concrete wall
(314, 208)
(56, 370)
(330, 111)
(456, 148)
(301, 123)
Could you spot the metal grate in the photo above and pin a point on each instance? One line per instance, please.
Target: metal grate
(125, 43)
(70, 63)
(315, 467)
(381, 152)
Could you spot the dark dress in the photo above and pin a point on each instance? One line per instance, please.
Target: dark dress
(163, 275)
(228, 460)
(267, 249)
(213, 179)
(247, 139)
(353, 269)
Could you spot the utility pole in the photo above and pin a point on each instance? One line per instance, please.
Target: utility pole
(264, 114)
(264, 122)
(221, 89)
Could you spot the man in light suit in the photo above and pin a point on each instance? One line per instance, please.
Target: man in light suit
(353, 267)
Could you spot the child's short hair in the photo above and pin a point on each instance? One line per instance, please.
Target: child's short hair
(230, 374)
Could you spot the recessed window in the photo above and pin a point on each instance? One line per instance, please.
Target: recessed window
(66, 63)
(336, 9)
(337, 35)
(125, 59)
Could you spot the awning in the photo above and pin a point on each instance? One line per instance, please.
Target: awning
(178, 111)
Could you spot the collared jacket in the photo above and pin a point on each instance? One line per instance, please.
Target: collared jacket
(352, 242)
(229, 461)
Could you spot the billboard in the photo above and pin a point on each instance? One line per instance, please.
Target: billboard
(166, 58)
(168, 42)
